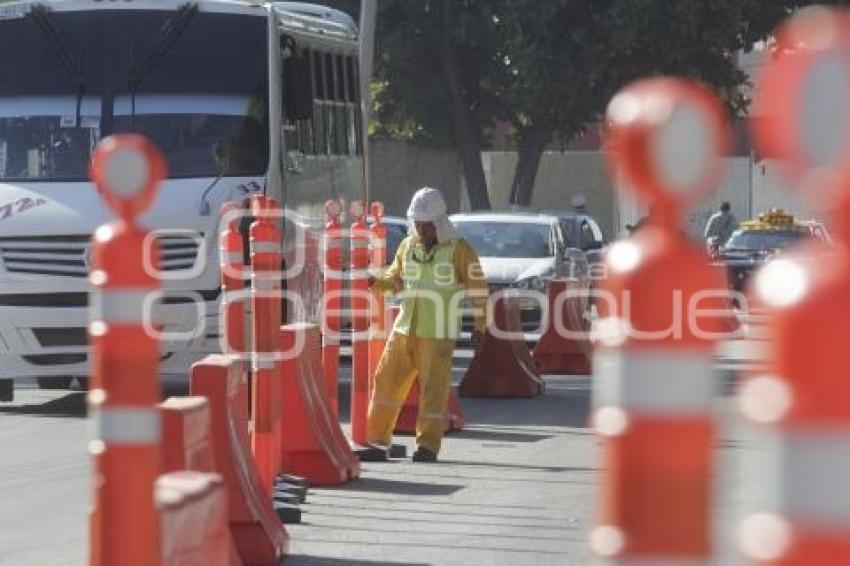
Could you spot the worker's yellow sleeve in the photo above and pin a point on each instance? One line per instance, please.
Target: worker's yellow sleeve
(471, 276)
(382, 281)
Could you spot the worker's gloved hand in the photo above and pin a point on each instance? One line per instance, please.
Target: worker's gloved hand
(397, 284)
(477, 339)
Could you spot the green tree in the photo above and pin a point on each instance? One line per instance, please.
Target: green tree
(448, 69)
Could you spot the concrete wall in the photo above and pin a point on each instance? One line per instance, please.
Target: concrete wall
(735, 188)
(398, 169)
(770, 191)
(561, 176)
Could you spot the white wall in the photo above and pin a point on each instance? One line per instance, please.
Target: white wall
(734, 187)
(398, 169)
(561, 176)
(770, 191)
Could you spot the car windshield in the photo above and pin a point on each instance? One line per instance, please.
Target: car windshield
(193, 82)
(762, 240)
(508, 239)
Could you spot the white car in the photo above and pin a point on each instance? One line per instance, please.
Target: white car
(521, 251)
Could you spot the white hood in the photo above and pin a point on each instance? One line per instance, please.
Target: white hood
(43, 209)
(511, 269)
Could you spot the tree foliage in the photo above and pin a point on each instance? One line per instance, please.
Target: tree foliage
(448, 69)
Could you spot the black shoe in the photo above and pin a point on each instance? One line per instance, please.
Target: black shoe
(372, 453)
(424, 455)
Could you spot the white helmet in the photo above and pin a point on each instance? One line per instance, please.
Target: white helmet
(427, 205)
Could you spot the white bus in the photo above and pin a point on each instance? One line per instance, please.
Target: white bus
(242, 97)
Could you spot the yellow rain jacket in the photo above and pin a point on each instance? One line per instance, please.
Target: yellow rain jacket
(423, 338)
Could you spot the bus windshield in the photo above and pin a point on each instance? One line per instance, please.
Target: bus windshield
(194, 82)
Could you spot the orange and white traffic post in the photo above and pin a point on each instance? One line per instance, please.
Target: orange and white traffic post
(377, 262)
(332, 299)
(125, 443)
(359, 299)
(800, 401)
(659, 319)
(266, 239)
(232, 267)
(231, 260)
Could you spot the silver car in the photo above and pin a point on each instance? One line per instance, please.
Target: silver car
(521, 251)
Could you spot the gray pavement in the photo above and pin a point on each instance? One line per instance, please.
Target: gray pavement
(515, 487)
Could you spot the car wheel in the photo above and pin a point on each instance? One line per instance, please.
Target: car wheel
(54, 382)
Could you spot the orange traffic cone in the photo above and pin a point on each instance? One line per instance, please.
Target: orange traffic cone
(564, 347)
(502, 367)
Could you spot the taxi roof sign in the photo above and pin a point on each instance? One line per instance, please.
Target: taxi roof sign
(774, 219)
(776, 216)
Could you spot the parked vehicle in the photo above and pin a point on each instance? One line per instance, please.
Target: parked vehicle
(757, 241)
(582, 231)
(521, 251)
(234, 93)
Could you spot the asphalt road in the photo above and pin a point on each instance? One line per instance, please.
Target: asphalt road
(517, 486)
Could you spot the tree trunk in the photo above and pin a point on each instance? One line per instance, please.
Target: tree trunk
(532, 143)
(467, 130)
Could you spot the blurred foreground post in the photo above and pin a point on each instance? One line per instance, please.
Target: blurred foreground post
(125, 443)
(802, 398)
(659, 319)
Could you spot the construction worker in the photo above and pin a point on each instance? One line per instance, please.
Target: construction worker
(579, 202)
(431, 269)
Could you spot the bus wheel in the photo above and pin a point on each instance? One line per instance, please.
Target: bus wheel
(54, 382)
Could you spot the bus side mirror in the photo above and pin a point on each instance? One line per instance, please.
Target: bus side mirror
(297, 88)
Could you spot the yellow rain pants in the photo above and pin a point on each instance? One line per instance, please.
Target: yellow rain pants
(405, 358)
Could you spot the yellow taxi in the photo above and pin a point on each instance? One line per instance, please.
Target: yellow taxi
(758, 240)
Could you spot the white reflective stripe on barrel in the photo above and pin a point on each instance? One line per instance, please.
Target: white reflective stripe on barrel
(359, 243)
(378, 244)
(360, 336)
(118, 307)
(356, 274)
(265, 247)
(125, 425)
(813, 466)
(666, 381)
(330, 340)
(335, 274)
(235, 296)
(230, 258)
(264, 282)
(265, 360)
(332, 243)
(661, 561)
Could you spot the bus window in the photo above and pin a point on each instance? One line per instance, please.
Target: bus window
(341, 107)
(351, 108)
(330, 95)
(319, 106)
(353, 81)
(304, 127)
